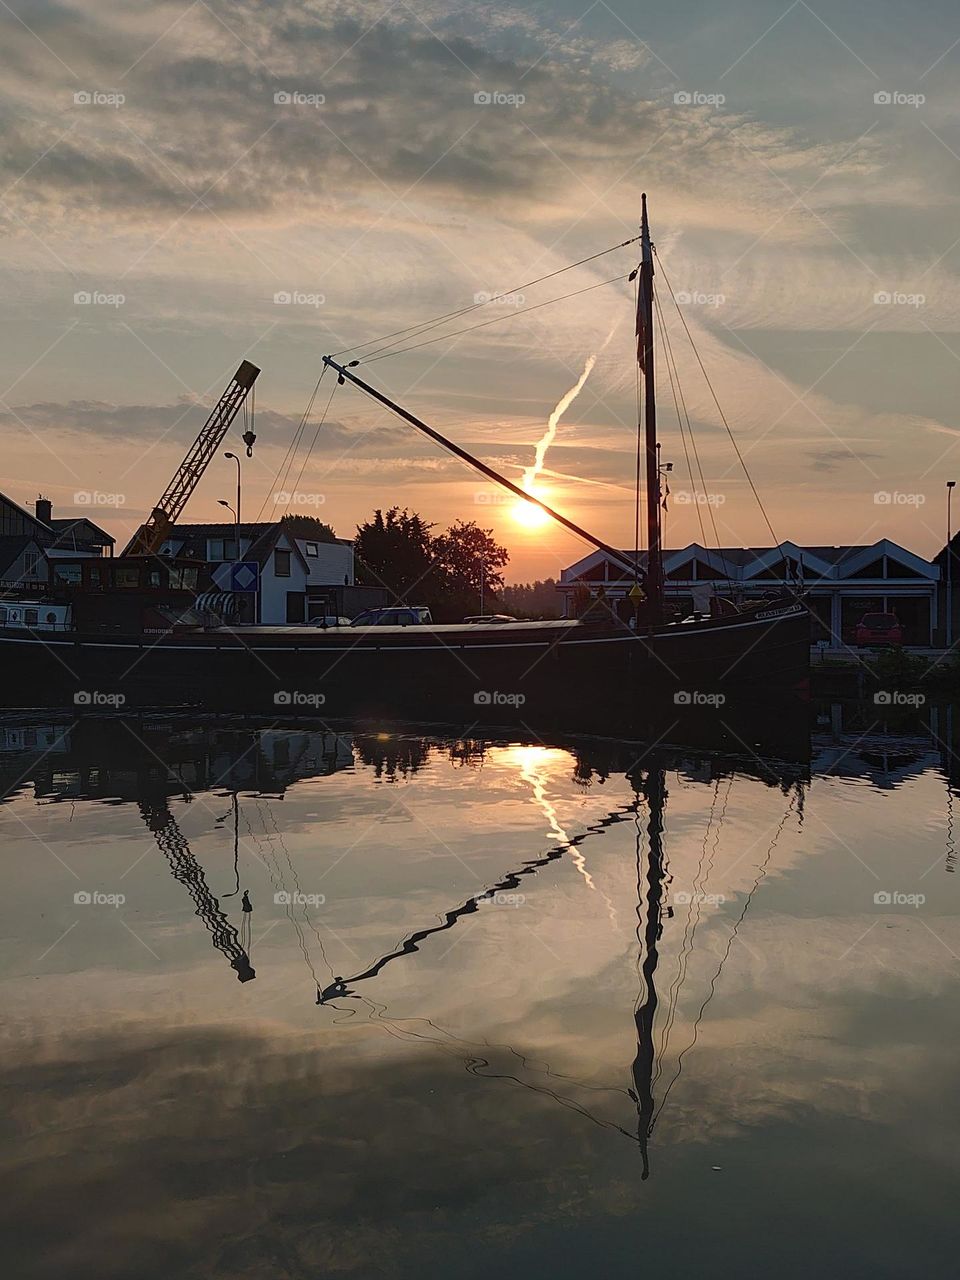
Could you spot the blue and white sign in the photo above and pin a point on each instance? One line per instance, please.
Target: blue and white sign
(242, 576)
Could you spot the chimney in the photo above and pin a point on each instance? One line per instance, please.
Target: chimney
(43, 508)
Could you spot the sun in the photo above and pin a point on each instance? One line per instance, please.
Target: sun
(528, 515)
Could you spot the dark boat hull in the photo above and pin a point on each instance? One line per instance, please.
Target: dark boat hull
(591, 676)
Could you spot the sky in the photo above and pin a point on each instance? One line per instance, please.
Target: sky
(184, 185)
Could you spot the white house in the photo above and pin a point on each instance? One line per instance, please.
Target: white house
(301, 579)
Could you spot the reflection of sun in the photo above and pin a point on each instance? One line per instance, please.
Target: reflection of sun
(528, 515)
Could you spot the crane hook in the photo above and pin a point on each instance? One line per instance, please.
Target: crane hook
(248, 439)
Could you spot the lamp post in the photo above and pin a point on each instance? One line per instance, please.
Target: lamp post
(222, 502)
(950, 487)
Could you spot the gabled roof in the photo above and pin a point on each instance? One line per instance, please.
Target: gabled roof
(743, 564)
(62, 530)
(12, 546)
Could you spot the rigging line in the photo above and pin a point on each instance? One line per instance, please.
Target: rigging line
(677, 982)
(293, 443)
(668, 352)
(323, 418)
(425, 325)
(483, 323)
(477, 465)
(693, 437)
(692, 924)
(723, 419)
(723, 959)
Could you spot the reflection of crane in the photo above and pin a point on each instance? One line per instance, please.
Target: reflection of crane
(150, 536)
(173, 845)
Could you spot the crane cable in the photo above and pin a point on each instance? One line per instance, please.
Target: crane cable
(425, 325)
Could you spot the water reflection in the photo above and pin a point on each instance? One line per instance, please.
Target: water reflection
(590, 1037)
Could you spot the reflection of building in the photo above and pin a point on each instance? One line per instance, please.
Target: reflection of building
(842, 583)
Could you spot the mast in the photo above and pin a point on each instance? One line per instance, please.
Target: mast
(645, 360)
(343, 372)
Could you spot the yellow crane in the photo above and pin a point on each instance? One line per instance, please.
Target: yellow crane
(150, 537)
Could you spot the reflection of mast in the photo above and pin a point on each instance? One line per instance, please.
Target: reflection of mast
(645, 1011)
(188, 871)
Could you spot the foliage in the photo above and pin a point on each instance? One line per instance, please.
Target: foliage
(398, 551)
(538, 599)
(394, 551)
(309, 529)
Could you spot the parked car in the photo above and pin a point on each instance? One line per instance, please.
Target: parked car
(399, 616)
(879, 628)
(490, 617)
(329, 620)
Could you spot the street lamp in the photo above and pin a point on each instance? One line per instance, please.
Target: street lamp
(950, 487)
(223, 503)
(237, 461)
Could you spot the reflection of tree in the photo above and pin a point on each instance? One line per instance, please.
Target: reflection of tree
(390, 755)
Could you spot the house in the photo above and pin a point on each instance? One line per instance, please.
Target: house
(841, 583)
(297, 577)
(28, 543)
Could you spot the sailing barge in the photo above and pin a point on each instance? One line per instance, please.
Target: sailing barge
(599, 668)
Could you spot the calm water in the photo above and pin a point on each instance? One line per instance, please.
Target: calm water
(704, 1020)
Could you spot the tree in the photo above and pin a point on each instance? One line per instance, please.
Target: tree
(532, 599)
(309, 529)
(465, 556)
(394, 551)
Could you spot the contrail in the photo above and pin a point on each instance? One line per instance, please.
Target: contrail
(566, 400)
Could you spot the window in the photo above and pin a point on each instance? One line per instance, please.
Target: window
(3, 614)
(51, 619)
(281, 563)
(220, 549)
(127, 576)
(67, 572)
(310, 548)
(30, 617)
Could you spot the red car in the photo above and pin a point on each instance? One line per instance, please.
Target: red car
(879, 628)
